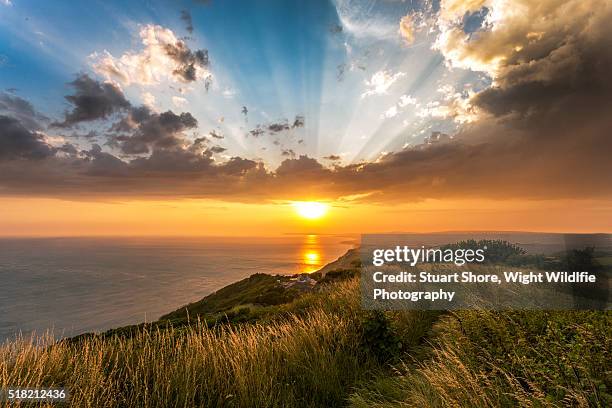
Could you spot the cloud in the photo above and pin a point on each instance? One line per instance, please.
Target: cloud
(335, 29)
(456, 9)
(406, 100)
(179, 102)
(23, 110)
(143, 131)
(217, 149)
(541, 56)
(215, 135)
(138, 129)
(229, 93)
(361, 21)
(518, 35)
(258, 131)
(474, 164)
(304, 165)
(148, 99)
(92, 100)
(163, 57)
(278, 127)
(406, 29)
(288, 153)
(17, 142)
(456, 106)
(298, 122)
(541, 130)
(391, 112)
(186, 17)
(380, 82)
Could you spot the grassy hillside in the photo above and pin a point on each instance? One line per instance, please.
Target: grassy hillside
(504, 359)
(259, 290)
(312, 357)
(278, 346)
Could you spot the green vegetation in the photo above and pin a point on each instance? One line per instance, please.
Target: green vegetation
(257, 290)
(312, 357)
(496, 359)
(262, 342)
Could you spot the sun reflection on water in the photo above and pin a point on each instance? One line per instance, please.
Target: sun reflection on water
(311, 254)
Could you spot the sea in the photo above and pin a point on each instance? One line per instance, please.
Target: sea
(69, 286)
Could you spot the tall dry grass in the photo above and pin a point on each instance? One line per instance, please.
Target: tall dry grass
(504, 359)
(308, 359)
(322, 350)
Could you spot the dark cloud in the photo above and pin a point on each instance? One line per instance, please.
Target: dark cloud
(208, 83)
(144, 130)
(335, 29)
(298, 121)
(187, 61)
(216, 135)
(199, 143)
(342, 69)
(288, 153)
(97, 163)
(92, 134)
(92, 100)
(165, 162)
(68, 149)
(217, 149)
(186, 17)
(258, 131)
(17, 142)
(543, 133)
(302, 165)
(22, 110)
(278, 127)
(332, 157)
(498, 167)
(340, 72)
(238, 166)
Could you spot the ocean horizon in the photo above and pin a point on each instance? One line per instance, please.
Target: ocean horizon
(85, 284)
(74, 285)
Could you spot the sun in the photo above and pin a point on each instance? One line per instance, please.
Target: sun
(311, 210)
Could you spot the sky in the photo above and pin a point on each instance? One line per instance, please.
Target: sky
(212, 117)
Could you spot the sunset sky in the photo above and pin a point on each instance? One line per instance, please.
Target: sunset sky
(215, 117)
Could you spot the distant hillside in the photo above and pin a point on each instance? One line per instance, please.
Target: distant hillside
(259, 294)
(349, 260)
(258, 290)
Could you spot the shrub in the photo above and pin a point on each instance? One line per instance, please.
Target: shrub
(492, 359)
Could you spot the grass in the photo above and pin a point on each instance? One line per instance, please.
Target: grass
(504, 359)
(260, 289)
(480, 358)
(310, 358)
(322, 349)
